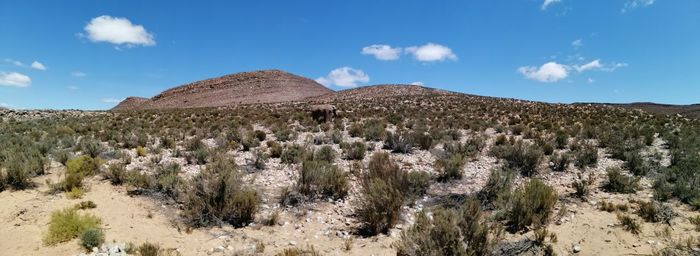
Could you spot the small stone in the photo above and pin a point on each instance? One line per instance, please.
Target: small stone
(219, 249)
(577, 248)
(292, 243)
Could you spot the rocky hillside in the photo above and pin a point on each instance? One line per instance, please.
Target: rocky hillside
(381, 91)
(691, 111)
(267, 86)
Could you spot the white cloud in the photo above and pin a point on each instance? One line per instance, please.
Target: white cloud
(590, 80)
(72, 87)
(78, 74)
(38, 66)
(417, 83)
(118, 31)
(598, 65)
(548, 72)
(633, 4)
(431, 52)
(111, 100)
(344, 77)
(577, 43)
(14, 79)
(546, 3)
(382, 51)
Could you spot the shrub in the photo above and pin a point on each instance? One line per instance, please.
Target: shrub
(21, 166)
(695, 221)
(374, 130)
(635, 163)
(559, 162)
(498, 186)
(260, 135)
(356, 151)
(561, 139)
(531, 204)
(583, 186)
(320, 178)
(586, 156)
(655, 212)
(325, 153)
(85, 205)
(461, 231)
(217, 195)
(92, 237)
(620, 183)
(91, 147)
(418, 183)
(275, 149)
(355, 130)
(116, 174)
(75, 193)
(141, 151)
(384, 189)
(259, 158)
(450, 167)
(62, 156)
(292, 154)
(68, 224)
(398, 143)
(249, 142)
(199, 156)
(76, 169)
(524, 159)
(148, 249)
(422, 140)
(168, 179)
(630, 224)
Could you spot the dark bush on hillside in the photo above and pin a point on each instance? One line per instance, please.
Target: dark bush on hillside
(356, 151)
(655, 212)
(168, 179)
(561, 139)
(385, 188)
(92, 237)
(116, 174)
(217, 195)
(292, 154)
(559, 162)
(62, 156)
(636, 164)
(91, 147)
(275, 149)
(461, 231)
(398, 143)
(250, 141)
(374, 130)
(586, 155)
(498, 187)
(524, 159)
(449, 167)
(260, 135)
(583, 186)
(325, 153)
(355, 130)
(620, 183)
(531, 204)
(422, 140)
(320, 179)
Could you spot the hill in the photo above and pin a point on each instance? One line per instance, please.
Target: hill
(266, 86)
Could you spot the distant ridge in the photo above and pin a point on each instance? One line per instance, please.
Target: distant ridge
(691, 111)
(383, 90)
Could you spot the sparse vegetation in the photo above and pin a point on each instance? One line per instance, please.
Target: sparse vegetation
(68, 224)
(531, 204)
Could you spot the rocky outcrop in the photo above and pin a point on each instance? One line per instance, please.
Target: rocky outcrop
(130, 103)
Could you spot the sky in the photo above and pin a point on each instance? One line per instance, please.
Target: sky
(91, 54)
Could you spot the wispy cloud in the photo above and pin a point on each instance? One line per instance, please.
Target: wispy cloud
(344, 77)
(78, 74)
(72, 87)
(117, 30)
(547, 3)
(578, 43)
(111, 100)
(14, 62)
(633, 4)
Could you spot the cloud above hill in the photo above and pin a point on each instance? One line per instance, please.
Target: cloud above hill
(344, 77)
(119, 31)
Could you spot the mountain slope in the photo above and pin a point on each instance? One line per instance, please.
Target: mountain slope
(266, 86)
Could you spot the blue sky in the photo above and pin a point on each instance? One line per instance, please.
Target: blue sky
(89, 54)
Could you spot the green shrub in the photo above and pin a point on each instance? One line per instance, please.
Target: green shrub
(85, 205)
(275, 149)
(418, 183)
(325, 153)
(695, 221)
(141, 151)
(461, 231)
(68, 224)
(91, 147)
(62, 156)
(398, 143)
(320, 178)
(524, 159)
(450, 167)
(635, 163)
(531, 204)
(292, 154)
(620, 183)
(217, 195)
(249, 142)
(168, 179)
(422, 140)
(498, 186)
(78, 168)
(559, 162)
(380, 206)
(355, 130)
(116, 174)
(356, 151)
(92, 237)
(630, 224)
(260, 135)
(148, 249)
(374, 130)
(586, 156)
(21, 166)
(583, 186)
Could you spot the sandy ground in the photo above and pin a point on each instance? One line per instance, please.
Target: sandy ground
(125, 218)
